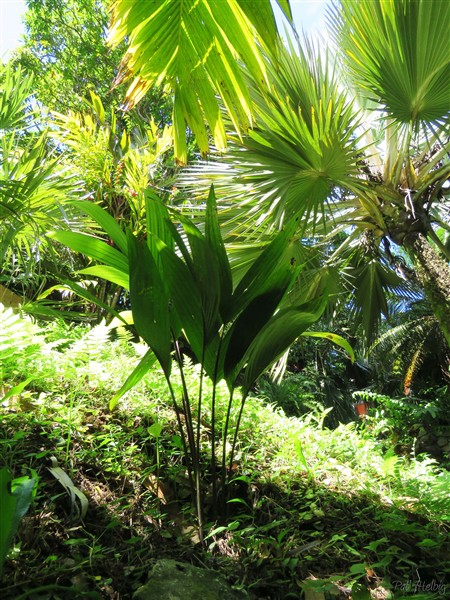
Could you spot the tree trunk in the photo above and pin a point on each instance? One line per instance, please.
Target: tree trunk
(434, 275)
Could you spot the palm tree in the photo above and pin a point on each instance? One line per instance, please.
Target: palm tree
(397, 60)
(414, 349)
(362, 150)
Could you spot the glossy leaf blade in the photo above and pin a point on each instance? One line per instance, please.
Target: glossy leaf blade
(273, 267)
(334, 338)
(83, 293)
(92, 247)
(247, 327)
(13, 507)
(145, 364)
(218, 251)
(109, 273)
(149, 301)
(185, 296)
(106, 222)
(157, 217)
(206, 272)
(276, 337)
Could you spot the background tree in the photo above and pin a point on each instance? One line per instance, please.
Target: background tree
(65, 46)
(64, 43)
(411, 355)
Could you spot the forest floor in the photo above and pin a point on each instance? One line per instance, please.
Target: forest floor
(316, 513)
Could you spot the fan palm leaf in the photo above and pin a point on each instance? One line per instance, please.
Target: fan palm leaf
(397, 54)
(302, 147)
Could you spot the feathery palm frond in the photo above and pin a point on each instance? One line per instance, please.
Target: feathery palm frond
(32, 191)
(33, 185)
(407, 345)
(192, 47)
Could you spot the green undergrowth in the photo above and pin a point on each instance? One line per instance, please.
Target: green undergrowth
(312, 512)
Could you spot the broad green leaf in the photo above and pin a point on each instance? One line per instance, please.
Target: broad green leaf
(190, 298)
(145, 364)
(276, 337)
(186, 299)
(108, 224)
(72, 286)
(219, 255)
(270, 270)
(109, 273)
(179, 134)
(206, 273)
(257, 296)
(92, 247)
(181, 245)
(333, 337)
(157, 217)
(14, 501)
(247, 327)
(155, 430)
(149, 301)
(79, 502)
(17, 389)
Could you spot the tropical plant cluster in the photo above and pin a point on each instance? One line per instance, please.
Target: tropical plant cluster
(225, 298)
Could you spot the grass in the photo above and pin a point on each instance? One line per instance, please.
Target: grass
(312, 510)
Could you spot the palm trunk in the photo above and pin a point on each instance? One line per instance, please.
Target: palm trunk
(434, 275)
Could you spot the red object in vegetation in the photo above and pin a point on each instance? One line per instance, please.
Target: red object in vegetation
(361, 408)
